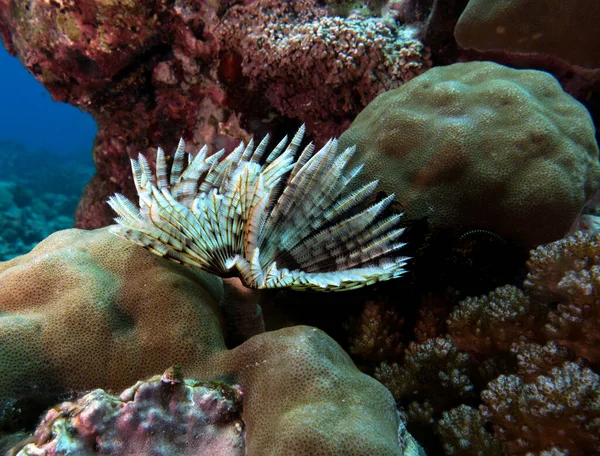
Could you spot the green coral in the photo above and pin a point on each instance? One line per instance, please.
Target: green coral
(479, 145)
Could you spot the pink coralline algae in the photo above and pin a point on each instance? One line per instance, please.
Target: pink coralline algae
(207, 71)
(166, 415)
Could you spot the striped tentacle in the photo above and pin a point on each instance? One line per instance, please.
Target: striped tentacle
(339, 236)
(280, 221)
(320, 201)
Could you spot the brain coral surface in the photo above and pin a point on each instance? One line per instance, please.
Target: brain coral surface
(483, 146)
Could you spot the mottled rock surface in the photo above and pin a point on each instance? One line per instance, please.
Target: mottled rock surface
(152, 72)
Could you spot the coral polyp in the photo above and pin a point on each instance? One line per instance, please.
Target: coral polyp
(280, 221)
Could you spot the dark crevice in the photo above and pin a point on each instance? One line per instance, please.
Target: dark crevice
(139, 72)
(153, 55)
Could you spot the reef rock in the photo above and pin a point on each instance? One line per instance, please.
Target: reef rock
(171, 416)
(152, 72)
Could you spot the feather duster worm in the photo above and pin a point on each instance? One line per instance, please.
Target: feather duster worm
(278, 221)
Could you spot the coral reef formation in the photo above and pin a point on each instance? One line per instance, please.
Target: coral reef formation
(516, 372)
(287, 223)
(176, 417)
(447, 145)
(150, 73)
(318, 67)
(24, 224)
(487, 161)
(85, 310)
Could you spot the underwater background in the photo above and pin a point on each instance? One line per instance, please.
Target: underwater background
(468, 317)
(46, 153)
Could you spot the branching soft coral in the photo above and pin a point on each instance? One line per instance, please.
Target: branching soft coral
(530, 353)
(434, 373)
(566, 274)
(463, 431)
(560, 410)
(489, 324)
(377, 334)
(534, 359)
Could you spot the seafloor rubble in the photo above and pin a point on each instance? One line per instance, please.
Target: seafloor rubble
(489, 345)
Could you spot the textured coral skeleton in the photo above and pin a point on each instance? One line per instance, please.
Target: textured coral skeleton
(280, 222)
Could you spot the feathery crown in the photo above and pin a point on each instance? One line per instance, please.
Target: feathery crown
(284, 223)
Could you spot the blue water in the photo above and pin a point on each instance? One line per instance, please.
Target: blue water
(45, 159)
(29, 115)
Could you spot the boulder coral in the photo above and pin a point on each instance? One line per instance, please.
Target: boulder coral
(554, 29)
(481, 146)
(86, 310)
